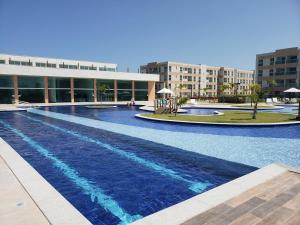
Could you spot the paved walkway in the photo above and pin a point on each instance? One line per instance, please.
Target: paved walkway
(16, 205)
(275, 202)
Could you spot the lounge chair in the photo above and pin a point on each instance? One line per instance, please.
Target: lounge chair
(193, 101)
(269, 101)
(275, 100)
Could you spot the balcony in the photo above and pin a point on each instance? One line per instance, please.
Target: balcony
(292, 61)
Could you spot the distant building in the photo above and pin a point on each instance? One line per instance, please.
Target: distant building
(199, 80)
(279, 70)
(47, 80)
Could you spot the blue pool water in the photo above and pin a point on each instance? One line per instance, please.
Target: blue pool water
(110, 177)
(125, 115)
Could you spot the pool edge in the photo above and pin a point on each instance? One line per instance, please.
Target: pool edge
(51, 203)
(188, 209)
(141, 116)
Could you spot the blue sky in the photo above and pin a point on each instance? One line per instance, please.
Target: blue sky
(134, 32)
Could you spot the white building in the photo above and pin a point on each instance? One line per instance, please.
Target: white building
(47, 80)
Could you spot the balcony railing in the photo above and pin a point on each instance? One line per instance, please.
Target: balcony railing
(292, 61)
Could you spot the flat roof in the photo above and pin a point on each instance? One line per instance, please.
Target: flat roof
(55, 60)
(6, 69)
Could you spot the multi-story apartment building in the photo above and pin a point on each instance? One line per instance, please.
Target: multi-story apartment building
(199, 80)
(279, 70)
(47, 80)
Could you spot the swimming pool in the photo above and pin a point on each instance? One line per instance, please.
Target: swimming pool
(115, 168)
(112, 178)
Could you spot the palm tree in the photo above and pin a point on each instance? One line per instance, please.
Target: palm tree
(234, 87)
(102, 88)
(223, 88)
(180, 87)
(255, 94)
(272, 83)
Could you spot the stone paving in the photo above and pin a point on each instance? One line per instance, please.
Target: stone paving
(275, 202)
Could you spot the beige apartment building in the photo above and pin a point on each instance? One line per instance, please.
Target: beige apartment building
(194, 80)
(279, 70)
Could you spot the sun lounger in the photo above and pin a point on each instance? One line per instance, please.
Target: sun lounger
(275, 100)
(269, 101)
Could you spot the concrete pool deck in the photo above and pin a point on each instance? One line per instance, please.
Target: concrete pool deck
(27, 198)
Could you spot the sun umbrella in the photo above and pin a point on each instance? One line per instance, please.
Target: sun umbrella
(294, 90)
(165, 91)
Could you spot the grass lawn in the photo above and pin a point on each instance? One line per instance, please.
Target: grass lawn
(251, 107)
(229, 117)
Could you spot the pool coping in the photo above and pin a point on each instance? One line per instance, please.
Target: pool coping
(56, 209)
(188, 209)
(140, 115)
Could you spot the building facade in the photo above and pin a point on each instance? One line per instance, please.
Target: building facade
(194, 80)
(279, 70)
(46, 80)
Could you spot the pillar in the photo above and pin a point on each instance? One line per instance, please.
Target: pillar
(95, 90)
(133, 89)
(72, 89)
(16, 91)
(116, 90)
(151, 90)
(46, 92)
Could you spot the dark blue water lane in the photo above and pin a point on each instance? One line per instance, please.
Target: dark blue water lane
(125, 115)
(80, 169)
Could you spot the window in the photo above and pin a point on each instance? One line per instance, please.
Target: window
(18, 63)
(271, 72)
(180, 77)
(170, 69)
(291, 70)
(190, 78)
(74, 67)
(259, 73)
(292, 59)
(124, 90)
(51, 65)
(170, 77)
(31, 89)
(6, 89)
(14, 62)
(194, 71)
(190, 70)
(59, 89)
(108, 95)
(40, 64)
(93, 68)
(180, 69)
(280, 83)
(279, 71)
(272, 61)
(260, 62)
(2, 61)
(63, 66)
(86, 68)
(26, 63)
(280, 60)
(199, 71)
(83, 90)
